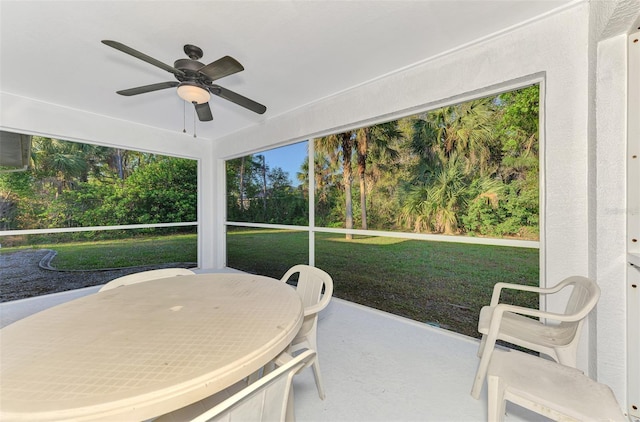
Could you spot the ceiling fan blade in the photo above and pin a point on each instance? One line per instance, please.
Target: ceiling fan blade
(237, 98)
(222, 67)
(204, 112)
(147, 88)
(142, 56)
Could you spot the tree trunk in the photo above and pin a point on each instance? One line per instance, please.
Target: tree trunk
(119, 164)
(347, 178)
(264, 185)
(241, 185)
(363, 146)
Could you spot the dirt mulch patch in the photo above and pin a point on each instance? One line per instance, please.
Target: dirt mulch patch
(23, 275)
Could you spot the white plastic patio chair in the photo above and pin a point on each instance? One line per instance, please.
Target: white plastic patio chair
(144, 276)
(268, 399)
(557, 335)
(311, 281)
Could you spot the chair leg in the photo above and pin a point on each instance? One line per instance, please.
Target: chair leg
(268, 368)
(481, 373)
(496, 404)
(566, 356)
(265, 370)
(254, 377)
(483, 342)
(318, 377)
(290, 412)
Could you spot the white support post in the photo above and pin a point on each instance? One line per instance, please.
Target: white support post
(312, 202)
(633, 228)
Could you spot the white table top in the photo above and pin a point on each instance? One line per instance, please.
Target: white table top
(142, 350)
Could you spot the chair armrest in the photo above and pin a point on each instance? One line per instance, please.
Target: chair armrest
(314, 309)
(502, 308)
(497, 289)
(324, 301)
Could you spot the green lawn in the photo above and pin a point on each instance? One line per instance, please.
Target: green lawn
(439, 283)
(131, 252)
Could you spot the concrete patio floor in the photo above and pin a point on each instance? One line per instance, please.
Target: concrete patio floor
(375, 366)
(381, 367)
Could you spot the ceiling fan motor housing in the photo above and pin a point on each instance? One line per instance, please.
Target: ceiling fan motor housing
(190, 68)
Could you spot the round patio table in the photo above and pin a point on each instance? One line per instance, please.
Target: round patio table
(142, 350)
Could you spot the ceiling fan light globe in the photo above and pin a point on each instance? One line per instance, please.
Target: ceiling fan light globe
(193, 93)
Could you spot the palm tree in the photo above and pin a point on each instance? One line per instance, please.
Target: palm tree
(454, 145)
(464, 129)
(325, 171)
(58, 163)
(335, 147)
(341, 147)
(377, 138)
(434, 204)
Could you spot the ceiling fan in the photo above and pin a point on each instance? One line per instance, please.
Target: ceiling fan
(194, 79)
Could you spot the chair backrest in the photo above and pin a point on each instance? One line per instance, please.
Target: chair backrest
(264, 400)
(582, 300)
(144, 276)
(584, 296)
(311, 281)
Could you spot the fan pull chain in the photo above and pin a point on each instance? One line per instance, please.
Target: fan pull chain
(184, 117)
(194, 119)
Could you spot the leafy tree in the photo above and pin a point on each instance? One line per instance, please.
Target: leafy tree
(286, 205)
(258, 193)
(71, 184)
(162, 191)
(518, 132)
(244, 184)
(13, 187)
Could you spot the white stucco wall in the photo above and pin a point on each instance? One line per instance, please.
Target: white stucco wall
(25, 115)
(609, 254)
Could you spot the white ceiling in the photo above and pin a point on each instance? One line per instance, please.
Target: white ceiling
(294, 52)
